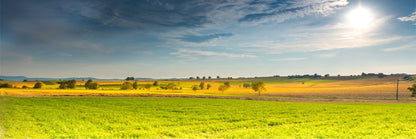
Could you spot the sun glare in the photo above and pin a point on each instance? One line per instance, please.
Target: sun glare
(359, 18)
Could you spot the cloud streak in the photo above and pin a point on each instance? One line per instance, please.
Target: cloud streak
(186, 53)
(289, 59)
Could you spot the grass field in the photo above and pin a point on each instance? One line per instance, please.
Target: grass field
(99, 117)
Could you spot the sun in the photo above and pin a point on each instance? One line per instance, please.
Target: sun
(359, 18)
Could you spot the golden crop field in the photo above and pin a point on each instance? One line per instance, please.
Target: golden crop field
(370, 88)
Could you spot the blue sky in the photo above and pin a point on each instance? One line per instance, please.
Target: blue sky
(181, 38)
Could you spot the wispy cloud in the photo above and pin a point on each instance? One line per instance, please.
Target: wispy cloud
(294, 9)
(328, 55)
(203, 38)
(197, 53)
(399, 48)
(411, 17)
(289, 59)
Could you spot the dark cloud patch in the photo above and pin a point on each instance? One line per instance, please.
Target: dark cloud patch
(203, 38)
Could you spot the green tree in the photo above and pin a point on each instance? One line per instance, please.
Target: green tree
(126, 86)
(24, 87)
(147, 86)
(258, 87)
(208, 86)
(135, 85)
(38, 85)
(223, 88)
(195, 87)
(93, 85)
(87, 84)
(202, 85)
(413, 90)
(155, 83)
(6, 85)
(227, 84)
(71, 84)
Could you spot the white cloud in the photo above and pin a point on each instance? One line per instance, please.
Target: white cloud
(195, 53)
(289, 59)
(411, 17)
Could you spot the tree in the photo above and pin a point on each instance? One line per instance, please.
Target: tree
(208, 86)
(155, 83)
(197, 77)
(223, 88)
(25, 80)
(38, 85)
(413, 90)
(67, 84)
(258, 87)
(129, 78)
(227, 84)
(246, 85)
(135, 85)
(218, 77)
(202, 85)
(147, 86)
(209, 77)
(126, 86)
(203, 78)
(93, 85)
(195, 87)
(71, 84)
(24, 87)
(326, 75)
(87, 84)
(6, 85)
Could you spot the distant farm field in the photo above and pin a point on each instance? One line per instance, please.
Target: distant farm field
(333, 87)
(98, 117)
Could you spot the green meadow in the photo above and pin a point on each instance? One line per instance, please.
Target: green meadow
(121, 117)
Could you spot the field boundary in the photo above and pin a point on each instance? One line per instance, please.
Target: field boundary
(259, 98)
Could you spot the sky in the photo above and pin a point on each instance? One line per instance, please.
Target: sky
(227, 38)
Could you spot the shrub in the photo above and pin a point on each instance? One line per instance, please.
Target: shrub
(147, 86)
(227, 84)
(126, 86)
(413, 90)
(24, 87)
(246, 85)
(202, 85)
(223, 88)
(135, 85)
(6, 85)
(171, 86)
(208, 86)
(195, 87)
(38, 85)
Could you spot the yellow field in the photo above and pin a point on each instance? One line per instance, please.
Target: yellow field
(373, 88)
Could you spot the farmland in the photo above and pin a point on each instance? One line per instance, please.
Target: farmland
(361, 88)
(340, 108)
(105, 117)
